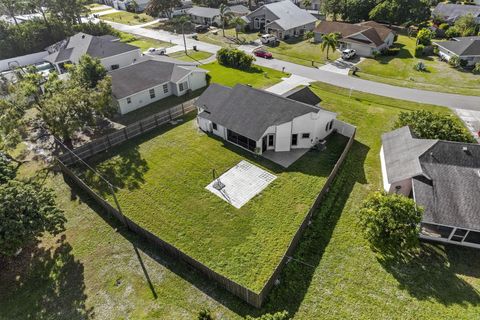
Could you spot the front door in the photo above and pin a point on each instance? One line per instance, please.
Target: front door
(264, 144)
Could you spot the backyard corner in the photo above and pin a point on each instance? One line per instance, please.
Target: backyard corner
(162, 178)
(399, 70)
(191, 55)
(127, 18)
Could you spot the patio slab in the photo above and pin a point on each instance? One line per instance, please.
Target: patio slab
(241, 183)
(285, 159)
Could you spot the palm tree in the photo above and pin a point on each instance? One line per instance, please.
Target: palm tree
(225, 15)
(238, 22)
(329, 41)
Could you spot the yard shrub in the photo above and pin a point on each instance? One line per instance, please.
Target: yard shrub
(444, 26)
(452, 32)
(308, 35)
(390, 222)
(234, 58)
(430, 125)
(391, 52)
(463, 63)
(454, 61)
(204, 314)
(420, 66)
(280, 315)
(476, 70)
(425, 36)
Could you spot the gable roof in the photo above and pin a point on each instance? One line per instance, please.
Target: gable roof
(451, 194)
(289, 15)
(204, 12)
(249, 111)
(303, 94)
(462, 46)
(239, 9)
(452, 12)
(402, 151)
(75, 47)
(375, 33)
(146, 75)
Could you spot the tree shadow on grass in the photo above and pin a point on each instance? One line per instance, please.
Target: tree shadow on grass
(43, 283)
(404, 53)
(432, 274)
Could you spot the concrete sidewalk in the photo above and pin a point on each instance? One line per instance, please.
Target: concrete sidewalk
(289, 83)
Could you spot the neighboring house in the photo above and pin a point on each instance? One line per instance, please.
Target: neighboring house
(450, 12)
(112, 53)
(441, 176)
(153, 79)
(261, 121)
(365, 37)
(282, 19)
(239, 10)
(205, 16)
(466, 48)
(123, 4)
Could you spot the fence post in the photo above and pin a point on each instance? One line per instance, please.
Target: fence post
(170, 114)
(183, 110)
(108, 140)
(125, 133)
(156, 119)
(141, 127)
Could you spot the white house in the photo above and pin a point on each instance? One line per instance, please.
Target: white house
(466, 48)
(365, 38)
(282, 19)
(112, 53)
(204, 15)
(443, 177)
(153, 79)
(260, 121)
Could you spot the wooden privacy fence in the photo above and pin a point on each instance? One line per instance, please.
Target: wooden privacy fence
(129, 132)
(252, 298)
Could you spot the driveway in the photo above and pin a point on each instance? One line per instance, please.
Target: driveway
(471, 119)
(340, 66)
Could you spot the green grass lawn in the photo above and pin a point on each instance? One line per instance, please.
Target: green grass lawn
(95, 267)
(302, 52)
(143, 43)
(162, 180)
(191, 56)
(259, 77)
(398, 70)
(128, 18)
(230, 39)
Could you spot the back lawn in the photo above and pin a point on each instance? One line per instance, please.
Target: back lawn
(191, 56)
(399, 71)
(258, 77)
(129, 18)
(142, 42)
(230, 39)
(162, 180)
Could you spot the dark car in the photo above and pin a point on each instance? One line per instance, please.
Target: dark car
(263, 54)
(201, 28)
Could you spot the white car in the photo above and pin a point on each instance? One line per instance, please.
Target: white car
(348, 54)
(157, 51)
(268, 38)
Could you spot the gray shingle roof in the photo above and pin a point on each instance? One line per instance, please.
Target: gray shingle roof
(452, 12)
(402, 152)
(204, 12)
(239, 9)
(452, 194)
(249, 111)
(289, 15)
(75, 47)
(304, 95)
(145, 75)
(462, 46)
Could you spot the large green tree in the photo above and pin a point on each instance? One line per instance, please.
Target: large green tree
(430, 125)
(165, 7)
(401, 11)
(390, 222)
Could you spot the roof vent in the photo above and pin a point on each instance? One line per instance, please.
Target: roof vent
(83, 36)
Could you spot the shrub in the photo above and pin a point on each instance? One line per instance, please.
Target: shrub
(308, 35)
(136, 16)
(452, 32)
(454, 61)
(390, 222)
(444, 26)
(204, 314)
(280, 315)
(430, 125)
(419, 50)
(391, 52)
(476, 69)
(234, 58)
(463, 63)
(420, 66)
(425, 36)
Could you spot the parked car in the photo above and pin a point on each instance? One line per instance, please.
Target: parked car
(348, 54)
(201, 28)
(268, 39)
(263, 54)
(157, 51)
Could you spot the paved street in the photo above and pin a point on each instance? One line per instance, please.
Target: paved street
(453, 101)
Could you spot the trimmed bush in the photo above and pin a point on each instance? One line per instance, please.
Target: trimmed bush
(425, 37)
(454, 61)
(452, 32)
(234, 58)
(419, 50)
(476, 70)
(391, 52)
(444, 26)
(420, 66)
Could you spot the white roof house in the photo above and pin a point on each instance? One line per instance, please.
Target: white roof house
(264, 122)
(152, 79)
(283, 19)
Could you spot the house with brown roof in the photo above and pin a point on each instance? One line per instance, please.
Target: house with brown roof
(365, 38)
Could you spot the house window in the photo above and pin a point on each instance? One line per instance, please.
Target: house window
(305, 135)
(114, 66)
(152, 93)
(327, 125)
(129, 100)
(473, 237)
(183, 86)
(214, 126)
(331, 125)
(165, 88)
(270, 140)
(294, 139)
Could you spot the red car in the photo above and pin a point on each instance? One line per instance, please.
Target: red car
(263, 54)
